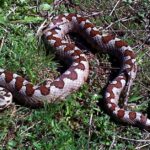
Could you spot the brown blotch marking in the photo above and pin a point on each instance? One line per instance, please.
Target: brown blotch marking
(88, 25)
(57, 43)
(93, 33)
(8, 76)
(109, 100)
(53, 32)
(109, 90)
(132, 115)
(29, 89)
(113, 106)
(77, 60)
(56, 39)
(69, 17)
(44, 90)
(143, 119)
(69, 47)
(108, 38)
(80, 19)
(129, 53)
(59, 19)
(58, 84)
(60, 16)
(19, 83)
(73, 75)
(77, 52)
(120, 43)
(49, 37)
(118, 84)
(128, 69)
(120, 113)
(81, 58)
(129, 62)
(80, 66)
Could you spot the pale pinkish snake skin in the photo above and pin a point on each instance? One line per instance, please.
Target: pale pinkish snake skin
(77, 74)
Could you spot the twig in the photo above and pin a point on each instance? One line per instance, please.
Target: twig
(12, 10)
(112, 144)
(29, 128)
(1, 43)
(114, 8)
(39, 31)
(119, 20)
(143, 85)
(140, 147)
(93, 14)
(89, 134)
(67, 3)
(124, 138)
(56, 3)
(147, 54)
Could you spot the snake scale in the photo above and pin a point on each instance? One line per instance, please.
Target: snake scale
(76, 75)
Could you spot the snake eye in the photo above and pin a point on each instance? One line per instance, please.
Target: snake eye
(2, 92)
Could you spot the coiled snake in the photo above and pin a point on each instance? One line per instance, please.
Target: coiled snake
(77, 74)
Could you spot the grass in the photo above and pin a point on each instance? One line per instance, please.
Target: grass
(78, 122)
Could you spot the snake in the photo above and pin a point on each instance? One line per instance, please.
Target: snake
(53, 33)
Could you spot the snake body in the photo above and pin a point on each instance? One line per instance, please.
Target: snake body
(76, 75)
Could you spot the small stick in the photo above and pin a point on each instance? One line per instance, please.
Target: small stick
(89, 134)
(1, 43)
(114, 8)
(140, 147)
(124, 138)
